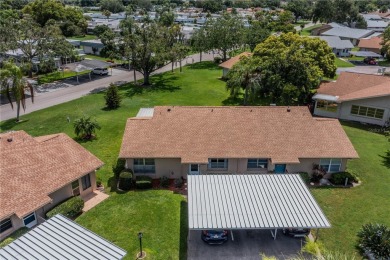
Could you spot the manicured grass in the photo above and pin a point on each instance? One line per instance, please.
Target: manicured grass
(84, 38)
(58, 75)
(198, 84)
(343, 64)
(159, 214)
(95, 57)
(349, 209)
(356, 58)
(307, 31)
(384, 63)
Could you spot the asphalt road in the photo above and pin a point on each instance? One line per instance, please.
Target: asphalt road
(75, 90)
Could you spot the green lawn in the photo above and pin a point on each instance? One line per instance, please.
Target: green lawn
(159, 214)
(307, 31)
(58, 75)
(343, 64)
(384, 63)
(349, 209)
(84, 38)
(95, 57)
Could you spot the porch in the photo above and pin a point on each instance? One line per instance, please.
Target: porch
(92, 199)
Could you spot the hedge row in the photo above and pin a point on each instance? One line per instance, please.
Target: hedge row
(143, 182)
(70, 208)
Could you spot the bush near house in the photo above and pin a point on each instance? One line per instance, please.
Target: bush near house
(164, 182)
(338, 178)
(143, 182)
(374, 239)
(305, 176)
(126, 180)
(70, 208)
(18, 233)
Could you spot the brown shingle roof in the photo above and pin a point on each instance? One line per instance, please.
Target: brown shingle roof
(32, 168)
(232, 61)
(195, 134)
(372, 43)
(351, 86)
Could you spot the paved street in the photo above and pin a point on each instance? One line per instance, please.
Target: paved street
(73, 90)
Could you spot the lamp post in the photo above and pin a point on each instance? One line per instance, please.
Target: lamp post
(140, 243)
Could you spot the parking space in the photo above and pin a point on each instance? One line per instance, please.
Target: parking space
(247, 244)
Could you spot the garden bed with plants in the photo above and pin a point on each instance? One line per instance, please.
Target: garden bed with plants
(320, 178)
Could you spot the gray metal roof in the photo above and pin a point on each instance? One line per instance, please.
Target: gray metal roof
(61, 238)
(255, 201)
(336, 42)
(348, 32)
(145, 112)
(326, 97)
(365, 54)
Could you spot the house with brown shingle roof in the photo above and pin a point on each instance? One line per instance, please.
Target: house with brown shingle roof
(371, 44)
(37, 173)
(357, 97)
(227, 65)
(175, 141)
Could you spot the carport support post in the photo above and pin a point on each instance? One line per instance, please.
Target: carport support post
(89, 75)
(317, 232)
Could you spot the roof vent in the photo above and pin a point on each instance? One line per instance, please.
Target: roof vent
(288, 109)
(212, 110)
(169, 110)
(9, 140)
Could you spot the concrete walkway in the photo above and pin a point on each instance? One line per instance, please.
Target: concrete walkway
(92, 199)
(75, 91)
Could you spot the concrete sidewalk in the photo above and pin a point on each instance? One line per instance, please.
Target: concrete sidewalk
(75, 91)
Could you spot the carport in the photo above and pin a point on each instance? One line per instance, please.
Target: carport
(86, 65)
(252, 201)
(366, 54)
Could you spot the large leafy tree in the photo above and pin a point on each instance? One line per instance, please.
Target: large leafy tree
(386, 43)
(256, 33)
(300, 8)
(13, 85)
(199, 42)
(225, 33)
(114, 6)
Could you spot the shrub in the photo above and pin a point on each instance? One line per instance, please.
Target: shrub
(98, 182)
(143, 182)
(70, 208)
(374, 239)
(164, 182)
(112, 97)
(18, 233)
(125, 180)
(85, 128)
(179, 182)
(338, 178)
(217, 60)
(118, 167)
(305, 176)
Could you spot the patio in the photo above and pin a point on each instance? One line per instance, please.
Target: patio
(93, 199)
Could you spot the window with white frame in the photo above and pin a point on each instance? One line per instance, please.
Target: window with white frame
(218, 163)
(144, 165)
(5, 225)
(330, 165)
(367, 111)
(257, 163)
(326, 105)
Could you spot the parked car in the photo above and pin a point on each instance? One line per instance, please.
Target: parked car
(213, 237)
(370, 61)
(296, 232)
(100, 71)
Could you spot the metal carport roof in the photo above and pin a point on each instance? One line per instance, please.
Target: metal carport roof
(255, 201)
(61, 238)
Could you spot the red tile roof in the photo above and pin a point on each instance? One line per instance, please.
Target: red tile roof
(196, 134)
(350, 86)
(232, 61)
(32, 168)
(372, 43)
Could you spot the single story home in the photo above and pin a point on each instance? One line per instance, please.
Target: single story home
(371, 44)
(61, 238)
(340, 48)
(385, 16)
(227, 65)
(346, 33)
(325, 27)
(176, 141)
(92, 46)
(377, 26)
(357, 97)
(38, 173)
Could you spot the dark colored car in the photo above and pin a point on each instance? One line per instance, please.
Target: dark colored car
(212, 237)
(370, 61)
(296, 232)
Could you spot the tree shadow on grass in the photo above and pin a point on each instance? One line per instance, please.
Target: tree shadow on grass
(203, 65)
(386, 159)
(160, 83)
(11, 123)
(183, 230)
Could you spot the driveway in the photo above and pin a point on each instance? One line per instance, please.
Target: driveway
(247, 244)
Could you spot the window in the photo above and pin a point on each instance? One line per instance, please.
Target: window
(327, 105)
(86, 181)
(330, 165)
(5, 225)
(257, 163)
(75, 188)
(367, 111)
(144, 166)
(29, 219)
(218, 163)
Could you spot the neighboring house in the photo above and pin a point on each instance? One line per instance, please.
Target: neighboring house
(371, 44)
(385, 16)
(37, 173)
(377, 26)
(346, 33)
(227, 65)
(175, 141)
(92, 46)
(325, 27)
(340, 48)
(358, 97)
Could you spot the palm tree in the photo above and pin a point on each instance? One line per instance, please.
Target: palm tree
(13, 85)
(84, 127)
(244, 75)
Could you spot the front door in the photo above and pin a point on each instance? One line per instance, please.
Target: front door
(280, 168)
(194, 169)
(30, 220)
